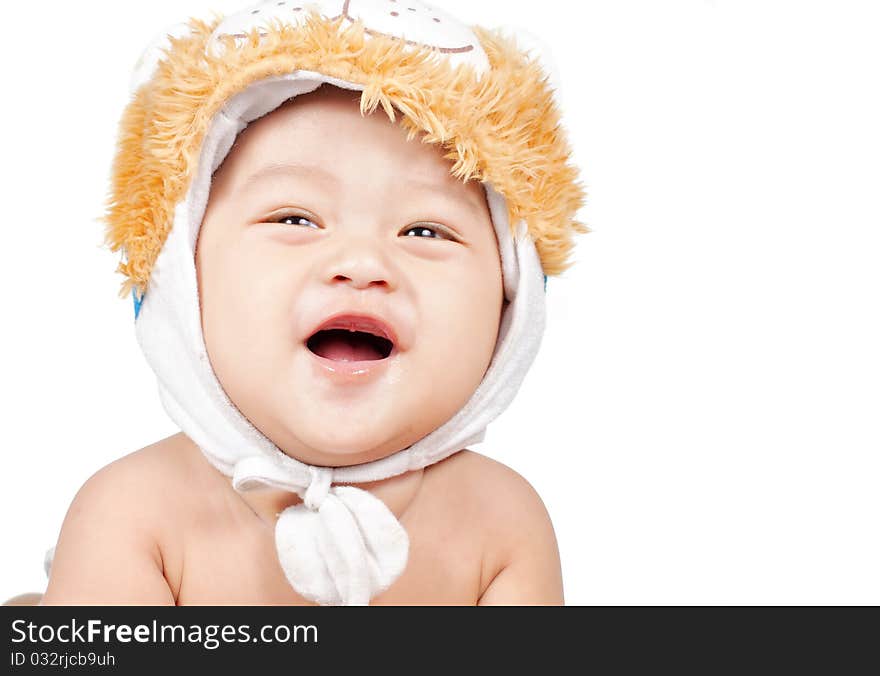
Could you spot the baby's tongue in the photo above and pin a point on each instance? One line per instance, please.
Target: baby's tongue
(350, 346)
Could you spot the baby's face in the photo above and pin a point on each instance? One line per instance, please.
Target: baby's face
(316, 213)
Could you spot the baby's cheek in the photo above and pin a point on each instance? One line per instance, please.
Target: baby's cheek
(243, 326)
(462, 334)
(259, 290)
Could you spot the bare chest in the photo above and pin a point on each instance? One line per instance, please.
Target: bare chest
(232, 560)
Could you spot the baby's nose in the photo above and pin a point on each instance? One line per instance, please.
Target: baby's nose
(360, 281)
(362, 266)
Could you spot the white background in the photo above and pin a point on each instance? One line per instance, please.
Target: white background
(702, 421)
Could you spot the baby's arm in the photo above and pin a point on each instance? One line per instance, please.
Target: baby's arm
(107, 553)
(529, 571)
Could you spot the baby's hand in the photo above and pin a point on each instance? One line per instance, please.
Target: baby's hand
(107, 552)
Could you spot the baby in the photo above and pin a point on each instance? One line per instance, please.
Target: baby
(353, 290)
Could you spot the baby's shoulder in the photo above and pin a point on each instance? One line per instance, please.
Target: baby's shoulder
(139, 486)
(520, 553)
(494, 497)
(150, 474)
(485, 482)
(151, 489)
(113, 542)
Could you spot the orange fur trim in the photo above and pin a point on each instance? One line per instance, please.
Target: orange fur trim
(503, 127)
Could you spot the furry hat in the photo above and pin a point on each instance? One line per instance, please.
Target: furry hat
(484, 100)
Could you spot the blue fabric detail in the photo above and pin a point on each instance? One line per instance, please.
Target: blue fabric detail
(137, 303)
(545, 283)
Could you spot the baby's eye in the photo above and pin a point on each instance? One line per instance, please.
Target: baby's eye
(424, 232)
(295, 220)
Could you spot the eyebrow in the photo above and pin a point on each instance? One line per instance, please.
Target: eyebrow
(281, 169)
(318, 173)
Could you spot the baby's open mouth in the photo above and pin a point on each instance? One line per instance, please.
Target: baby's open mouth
(349, 345)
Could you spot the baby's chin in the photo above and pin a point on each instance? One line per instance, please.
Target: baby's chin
(321, 420)
(330, 433)
(325, 421)
(340, 448)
